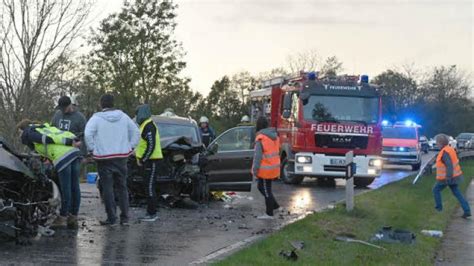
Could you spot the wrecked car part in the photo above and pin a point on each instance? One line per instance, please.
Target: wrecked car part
(179, 172)
(28, 197)
(351, 240)
(289, 255)
(389, 235)
(297, 244)
(432, 233)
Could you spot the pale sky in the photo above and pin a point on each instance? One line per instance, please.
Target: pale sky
(222, 37)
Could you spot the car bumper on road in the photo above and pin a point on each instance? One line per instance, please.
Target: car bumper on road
(334, 166)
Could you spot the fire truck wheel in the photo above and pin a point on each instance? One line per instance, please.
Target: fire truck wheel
(286, 176)
(363, 182)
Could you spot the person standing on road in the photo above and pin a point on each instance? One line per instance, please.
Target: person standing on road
(68, 118)
(448, 173)
(207, 132)
(111, 137)
(61, 148)
(148, 154)
(266, 164)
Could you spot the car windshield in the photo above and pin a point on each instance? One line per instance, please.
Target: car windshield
(325, 108)
(464, 136)
(173, 130)
(399, 133)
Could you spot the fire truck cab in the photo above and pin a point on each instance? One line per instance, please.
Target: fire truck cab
(319, 121)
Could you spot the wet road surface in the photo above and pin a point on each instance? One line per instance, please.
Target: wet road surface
(180, 236)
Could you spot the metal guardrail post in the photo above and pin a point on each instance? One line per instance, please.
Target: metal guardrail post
(350, 171)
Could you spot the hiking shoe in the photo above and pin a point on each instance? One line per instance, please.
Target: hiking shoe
(265, 217)
(72, 222)
(60, 222)
(107, 223)
(466, 215)
(149, 218)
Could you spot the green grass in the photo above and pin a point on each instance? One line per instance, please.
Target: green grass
(401, 205)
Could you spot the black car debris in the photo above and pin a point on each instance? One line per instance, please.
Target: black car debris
(29, 199)
(188, 169)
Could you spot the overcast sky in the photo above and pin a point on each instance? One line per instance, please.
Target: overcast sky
(222, 37)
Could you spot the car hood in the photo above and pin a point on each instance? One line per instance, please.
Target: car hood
(179, 143)
(400, 142)
(12, 163)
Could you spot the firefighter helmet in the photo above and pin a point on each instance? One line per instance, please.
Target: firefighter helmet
(204, 119)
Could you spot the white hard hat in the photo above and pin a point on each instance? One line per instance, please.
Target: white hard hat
(245, 119)
(204, 119)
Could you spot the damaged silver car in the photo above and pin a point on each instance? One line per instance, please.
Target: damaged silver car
(29, 199)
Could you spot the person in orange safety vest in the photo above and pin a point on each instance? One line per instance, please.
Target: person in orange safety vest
(266, 164)
(448, 173)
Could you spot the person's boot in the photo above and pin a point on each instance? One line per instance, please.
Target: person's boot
(72, 222)
(60, 222)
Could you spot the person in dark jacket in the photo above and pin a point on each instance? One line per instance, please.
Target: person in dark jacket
(148, 154)
(207, 132)
(61, 148)
(266, 164)
(68, 118)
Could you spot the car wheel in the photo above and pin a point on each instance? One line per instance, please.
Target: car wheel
(416, 167)
(287, 177)
(200, 191)
(363, 182)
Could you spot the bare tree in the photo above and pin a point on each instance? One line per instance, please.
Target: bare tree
(36, 37)
(304, 61)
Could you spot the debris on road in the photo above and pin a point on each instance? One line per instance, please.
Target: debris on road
(297, 244)
(387, 235)
(351, 240)
(45, 231)
(289, 255)
(243, 227)
(222, 196)
(433, 233)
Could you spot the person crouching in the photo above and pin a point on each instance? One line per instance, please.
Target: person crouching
(448, 173)
(266, 164)
(62, 149)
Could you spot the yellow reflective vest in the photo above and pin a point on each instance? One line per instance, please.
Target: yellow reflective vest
(59, 153)
(142, 144)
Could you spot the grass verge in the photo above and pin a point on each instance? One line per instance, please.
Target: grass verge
(401, 205)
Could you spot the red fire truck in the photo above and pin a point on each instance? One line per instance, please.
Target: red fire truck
(319, 121)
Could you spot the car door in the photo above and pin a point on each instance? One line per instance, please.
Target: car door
(229, 164)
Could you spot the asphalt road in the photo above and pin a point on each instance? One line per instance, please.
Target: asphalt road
(180, 236)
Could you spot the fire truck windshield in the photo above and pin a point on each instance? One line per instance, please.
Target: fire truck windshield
(325, 108)
(399, 132)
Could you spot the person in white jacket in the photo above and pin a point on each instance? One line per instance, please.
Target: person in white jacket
(111, 136)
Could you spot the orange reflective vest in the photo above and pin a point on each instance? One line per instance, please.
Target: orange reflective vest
(270, 164)
(441, 168)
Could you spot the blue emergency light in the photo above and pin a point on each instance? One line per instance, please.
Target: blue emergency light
(409, 123)
(401, 149)
(312, 75)
(385, 123)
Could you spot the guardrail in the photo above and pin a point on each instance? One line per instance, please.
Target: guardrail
(427, 167)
